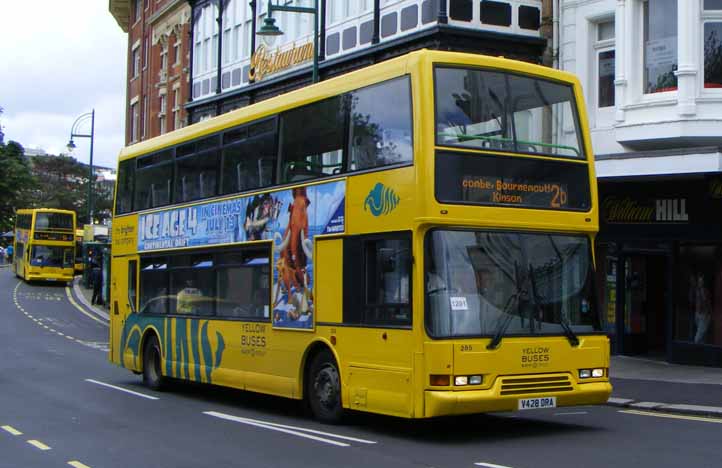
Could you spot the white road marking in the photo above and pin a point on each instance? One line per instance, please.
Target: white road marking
(293, 430)
(38, 444)
(11, 430)
(121, 389)
(672, 416)
(491, 465)
(571, 413)
(77, 464)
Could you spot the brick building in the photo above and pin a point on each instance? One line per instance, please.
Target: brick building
(158, 54)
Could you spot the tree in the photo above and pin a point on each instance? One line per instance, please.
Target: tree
(17, 183)
(63, 183)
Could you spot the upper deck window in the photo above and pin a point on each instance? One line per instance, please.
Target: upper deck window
(54, 221)
(490, 110)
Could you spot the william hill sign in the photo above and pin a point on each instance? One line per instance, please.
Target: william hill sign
(621, 210)
(265, 62)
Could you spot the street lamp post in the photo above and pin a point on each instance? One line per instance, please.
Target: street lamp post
(71, 145)
(269, 27)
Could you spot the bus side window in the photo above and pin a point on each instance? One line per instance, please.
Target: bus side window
(132, 282)
(308, 158)
(380, 125)
(379, 267)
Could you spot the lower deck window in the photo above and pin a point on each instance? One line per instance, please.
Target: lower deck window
(227, 283)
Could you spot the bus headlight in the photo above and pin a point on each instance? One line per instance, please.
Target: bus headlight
(593, 373)
(461, 380)
(475, 380)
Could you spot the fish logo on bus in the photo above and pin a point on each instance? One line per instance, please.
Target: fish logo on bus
(381, 200)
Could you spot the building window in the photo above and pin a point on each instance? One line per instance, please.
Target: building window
(660, 45)
(161, 113)
(712, 44)
(605, 53)
(177, 53)
(145, 53)
(137, 10)
(176, 109)
(135, 57)
(163, 62)
(698, 302)
(134, 121)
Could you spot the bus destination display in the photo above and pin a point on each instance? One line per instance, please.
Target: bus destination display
(499, 191)
(480, 179)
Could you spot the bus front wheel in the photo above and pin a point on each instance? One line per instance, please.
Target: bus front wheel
(152, 372)
(324, 388)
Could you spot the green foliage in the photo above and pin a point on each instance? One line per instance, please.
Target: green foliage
(17, 183)
(63, 183)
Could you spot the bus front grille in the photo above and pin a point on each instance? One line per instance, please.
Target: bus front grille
(524, 385)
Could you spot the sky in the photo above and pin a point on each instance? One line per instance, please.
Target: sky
(58, 60)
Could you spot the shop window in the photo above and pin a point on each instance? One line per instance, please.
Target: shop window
(660, 45)
(495, 13)
(698, 303)
(380, 127)
(713, 54)
(380, 267)
(305, 158)
(461, 10)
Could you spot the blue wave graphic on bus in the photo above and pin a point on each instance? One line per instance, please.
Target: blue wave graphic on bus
(381, 200)
(181, 353)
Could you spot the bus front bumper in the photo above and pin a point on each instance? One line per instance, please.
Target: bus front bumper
(53, 279)
(444, 403)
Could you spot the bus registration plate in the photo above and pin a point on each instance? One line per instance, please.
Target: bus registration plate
(537, 403)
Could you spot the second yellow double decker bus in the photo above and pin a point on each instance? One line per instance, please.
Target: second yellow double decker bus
(44, 244)
(413, 239)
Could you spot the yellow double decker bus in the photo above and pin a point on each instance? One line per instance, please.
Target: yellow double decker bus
(44, 244)
(413, 239)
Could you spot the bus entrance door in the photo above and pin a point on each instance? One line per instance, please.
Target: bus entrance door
(124, 277)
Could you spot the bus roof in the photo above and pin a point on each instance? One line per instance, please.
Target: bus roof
(41, 210)
(336, 85)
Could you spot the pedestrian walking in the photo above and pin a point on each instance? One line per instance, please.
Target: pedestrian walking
(96, 280)
(9, 253)
(2, 255)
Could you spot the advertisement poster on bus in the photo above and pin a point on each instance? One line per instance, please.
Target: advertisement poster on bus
(289, 218)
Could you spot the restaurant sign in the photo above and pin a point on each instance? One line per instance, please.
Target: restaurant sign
(265, 62)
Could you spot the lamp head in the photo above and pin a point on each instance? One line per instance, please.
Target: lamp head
(269, 31)
(71, 145)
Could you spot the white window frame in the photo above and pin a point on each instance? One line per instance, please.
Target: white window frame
(599, 46)
(660, 95)
(707, 16)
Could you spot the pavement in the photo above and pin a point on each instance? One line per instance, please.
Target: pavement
(84, 296)
(649, 384)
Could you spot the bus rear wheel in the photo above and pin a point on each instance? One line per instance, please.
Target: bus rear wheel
(324, 388)
(152, 372)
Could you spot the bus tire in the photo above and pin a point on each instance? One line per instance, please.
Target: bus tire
(323, 388)
(152, 371)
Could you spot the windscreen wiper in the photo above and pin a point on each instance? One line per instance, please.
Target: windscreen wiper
(568, 332)
(571, 336)
(496, 339)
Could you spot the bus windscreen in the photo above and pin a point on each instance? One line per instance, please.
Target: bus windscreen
(45, 221)
(492, 110)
